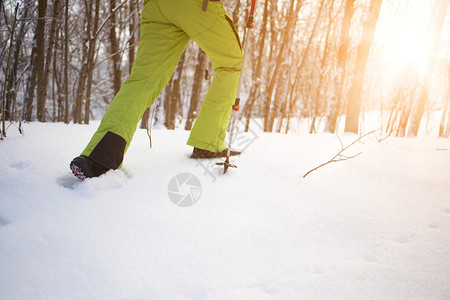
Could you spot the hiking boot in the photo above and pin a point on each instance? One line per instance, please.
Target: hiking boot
(83, 167)
(200, 153)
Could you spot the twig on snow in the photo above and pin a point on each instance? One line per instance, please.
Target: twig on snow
(339, 156)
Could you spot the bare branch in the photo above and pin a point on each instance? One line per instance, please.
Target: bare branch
(8, 63)
(110, 56)
(113, 11)
(339, 156)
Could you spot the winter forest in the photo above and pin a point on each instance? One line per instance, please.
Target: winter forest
(325, 63)
(366, 79)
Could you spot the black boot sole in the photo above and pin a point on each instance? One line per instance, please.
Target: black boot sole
(77, 172)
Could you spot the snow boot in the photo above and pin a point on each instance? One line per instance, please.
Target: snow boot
(84, 167)
(200, 153)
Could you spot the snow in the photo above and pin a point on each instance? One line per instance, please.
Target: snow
(373, 227)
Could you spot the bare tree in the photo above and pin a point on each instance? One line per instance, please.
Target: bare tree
(293, 87)
(407, 89)
(202, 61)
(440, 13)
(297, 66)
(11, 89)
(292, 17)
(134, 26)
(354, 96)
(334, 105)
(78, 101)
(116, 72)
(8, 63)
(236, 11)
(37, 61)
(444, 125)
(90, 60)
(85, 74)
(257, 74)
(318, 98)
(43, 82)
(172, 99)
(66, 62)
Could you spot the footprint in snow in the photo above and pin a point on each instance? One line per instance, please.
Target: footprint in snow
(3, 221)
(370, 258)
(110, 180)
(404, 239)
(19, 165)
(68, 181)
(434, 225)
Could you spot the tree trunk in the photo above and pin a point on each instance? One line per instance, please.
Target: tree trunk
(66, 63)
(78, 109)
(236, 12)
(134, 24)
(287, 37)
(257, 74)
(441, 11)
(280, 93)
(302, 64)
(43, 83)
(202, 60)
(59, 69)
(173, 96)
(37, 61)
(334, 106)
(280, 104)
(445, 110)
(317, 98)
(145, 117)
(8, 63)
(354, 96)
(11, 90)
(90, 62)
(446, 133)
(114, 50)
(283, 110)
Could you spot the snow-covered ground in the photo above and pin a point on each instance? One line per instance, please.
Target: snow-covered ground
(373, 227)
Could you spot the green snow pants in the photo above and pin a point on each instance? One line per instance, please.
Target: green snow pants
(166, 28)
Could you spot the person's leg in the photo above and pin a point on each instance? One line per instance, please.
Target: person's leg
(161, 45)
(214, 32)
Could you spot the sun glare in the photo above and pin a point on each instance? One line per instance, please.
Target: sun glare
(411, 47)
(407, 41)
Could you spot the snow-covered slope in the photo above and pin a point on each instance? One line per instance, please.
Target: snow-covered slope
(373, 227)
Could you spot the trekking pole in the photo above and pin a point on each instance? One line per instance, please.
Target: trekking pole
(236, 107)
